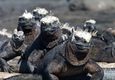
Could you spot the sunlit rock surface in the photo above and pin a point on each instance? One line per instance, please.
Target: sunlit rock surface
(99, 5)
(108, 75)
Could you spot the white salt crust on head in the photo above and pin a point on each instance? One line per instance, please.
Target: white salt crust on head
(18, 33)
(67, 27)
(41, 11)
(92, 21)
(27, 15)
(49, 19)
(83, 34)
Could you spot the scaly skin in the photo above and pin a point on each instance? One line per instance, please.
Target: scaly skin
(56, 64)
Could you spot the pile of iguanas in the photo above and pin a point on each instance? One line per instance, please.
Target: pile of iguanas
(56, 50)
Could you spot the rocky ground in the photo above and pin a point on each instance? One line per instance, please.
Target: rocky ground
(108, 75)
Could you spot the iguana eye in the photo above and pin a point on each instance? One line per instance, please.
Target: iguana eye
(77, 38)
(34, 13)
(84, 41)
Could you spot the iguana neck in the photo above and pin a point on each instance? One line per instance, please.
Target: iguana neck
(16, 46)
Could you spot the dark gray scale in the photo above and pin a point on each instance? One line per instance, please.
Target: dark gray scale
(64, 61)
(50, 36)
(11, 49)
(28, 25)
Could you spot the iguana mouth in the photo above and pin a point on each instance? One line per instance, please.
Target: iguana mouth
(28, 27)
(50, 30)
(82, 46)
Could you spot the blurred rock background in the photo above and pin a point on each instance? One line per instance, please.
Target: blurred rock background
(72, 11)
